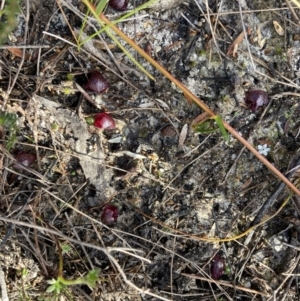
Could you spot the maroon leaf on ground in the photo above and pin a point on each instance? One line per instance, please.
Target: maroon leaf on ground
(217, 267)
(119, 5)
(24, 159)
(110, 214)
(96, 83)
(255, 99)
(104, 121)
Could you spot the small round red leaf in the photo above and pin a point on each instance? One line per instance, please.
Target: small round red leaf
(110, 214)
(255, 99)
(104, 121)
(24, 159)
(217, 267)
(96, 83)
(119, 5)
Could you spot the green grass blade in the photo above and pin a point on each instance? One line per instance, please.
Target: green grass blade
(124, 17)
(101, 5)
(129, 55)
(221, 126)
(113, 37)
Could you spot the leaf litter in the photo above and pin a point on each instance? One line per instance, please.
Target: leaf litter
(154, 162)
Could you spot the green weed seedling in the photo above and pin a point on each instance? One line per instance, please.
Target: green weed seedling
(60, 285)
(212, 125)
(8, 19)
(227, 271)
(206, 127)
(221, 126)
(24, 285)
(9, 123)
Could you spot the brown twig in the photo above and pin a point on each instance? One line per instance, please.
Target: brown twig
(220, 282)
(270, 201)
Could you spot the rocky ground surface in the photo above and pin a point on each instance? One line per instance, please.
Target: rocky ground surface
(175, 179)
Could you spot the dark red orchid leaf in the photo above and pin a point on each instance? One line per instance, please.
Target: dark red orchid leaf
(119, 5)
(217, 267)
(110, 214)
(104, 121)
(24, 159)
(96, 83)
(255, 99)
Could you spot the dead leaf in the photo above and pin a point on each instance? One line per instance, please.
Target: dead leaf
(246, 184)
(278, 28)
(261, 41)
(162, 104)
(182, 136)
(19, 53)
(235, 44)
